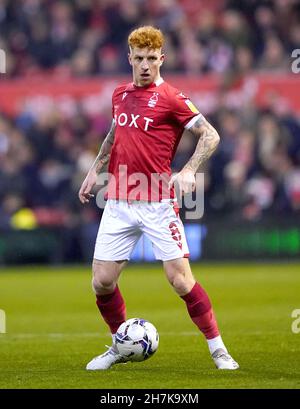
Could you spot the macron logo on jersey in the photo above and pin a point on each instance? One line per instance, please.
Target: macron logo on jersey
(133, 121)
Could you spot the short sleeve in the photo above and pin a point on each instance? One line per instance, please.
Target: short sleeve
(184, 111)
(113, 104)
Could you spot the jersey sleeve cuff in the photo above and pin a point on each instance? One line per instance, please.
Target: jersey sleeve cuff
(193, 120)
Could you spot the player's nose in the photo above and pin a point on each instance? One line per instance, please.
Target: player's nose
(145, 66)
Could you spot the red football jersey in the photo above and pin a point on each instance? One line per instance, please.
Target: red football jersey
(149, 124)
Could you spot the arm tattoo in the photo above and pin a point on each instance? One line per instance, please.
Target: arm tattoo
(104, 153)
(207, 144)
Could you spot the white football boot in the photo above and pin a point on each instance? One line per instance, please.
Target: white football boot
(106, 360)
(223, 360)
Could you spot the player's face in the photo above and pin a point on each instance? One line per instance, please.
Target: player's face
(145, 65)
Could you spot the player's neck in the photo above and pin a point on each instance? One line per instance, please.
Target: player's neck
(157, 81)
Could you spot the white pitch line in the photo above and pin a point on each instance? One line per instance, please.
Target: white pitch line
(83, 335)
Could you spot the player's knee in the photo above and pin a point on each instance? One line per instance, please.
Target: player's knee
(179, 282)
(102, 282)
(180, 275)
(102, 285)
(180, 278)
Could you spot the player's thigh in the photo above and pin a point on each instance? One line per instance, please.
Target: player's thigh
(163, 227)
(106, 274)
(179, 274)
(118, 233)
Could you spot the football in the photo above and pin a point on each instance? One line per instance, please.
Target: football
(137, 339)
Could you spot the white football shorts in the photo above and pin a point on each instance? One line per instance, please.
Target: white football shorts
(123, 223)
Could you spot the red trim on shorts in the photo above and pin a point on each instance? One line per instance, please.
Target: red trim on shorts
(176, 208)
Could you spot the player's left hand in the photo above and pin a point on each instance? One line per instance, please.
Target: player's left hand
(186, 181)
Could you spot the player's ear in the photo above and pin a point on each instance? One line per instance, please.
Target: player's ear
(162, 58)
(129, 58)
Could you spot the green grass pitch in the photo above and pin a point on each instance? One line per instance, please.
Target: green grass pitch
(54, 328)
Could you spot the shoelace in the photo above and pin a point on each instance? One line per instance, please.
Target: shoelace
(227, 357)
(110, 350)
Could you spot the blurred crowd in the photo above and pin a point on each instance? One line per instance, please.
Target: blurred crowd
(85, 37)
(43, 159)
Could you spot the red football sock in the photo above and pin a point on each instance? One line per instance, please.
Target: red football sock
(201, 312)
(112, 308)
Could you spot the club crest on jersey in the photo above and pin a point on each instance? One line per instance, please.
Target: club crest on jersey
(153, 100)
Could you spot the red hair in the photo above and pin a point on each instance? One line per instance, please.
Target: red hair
(146, 37)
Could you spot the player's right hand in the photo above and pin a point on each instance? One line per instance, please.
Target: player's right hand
(87, 185)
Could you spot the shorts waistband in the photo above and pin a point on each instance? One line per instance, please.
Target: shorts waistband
(171, 201)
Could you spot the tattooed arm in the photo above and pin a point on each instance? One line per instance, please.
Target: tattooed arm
(104, 153)
(101, 159)
(207, 144)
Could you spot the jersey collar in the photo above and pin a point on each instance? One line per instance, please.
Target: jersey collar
(157, 83)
